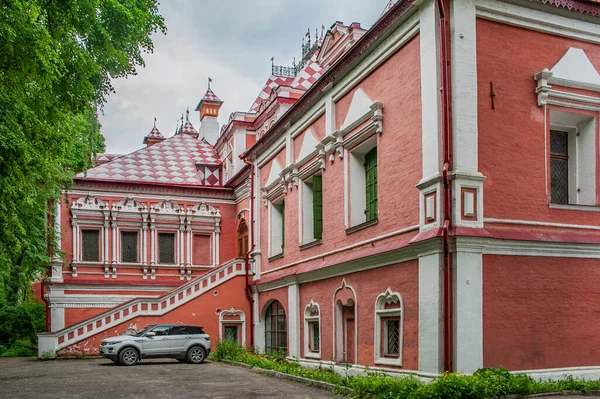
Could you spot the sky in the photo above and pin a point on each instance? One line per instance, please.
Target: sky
(230, 41)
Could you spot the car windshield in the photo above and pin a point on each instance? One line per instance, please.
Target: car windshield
(143, 331)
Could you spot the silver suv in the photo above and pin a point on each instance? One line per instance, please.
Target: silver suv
(184, 343)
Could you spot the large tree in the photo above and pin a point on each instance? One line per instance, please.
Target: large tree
(57, 59)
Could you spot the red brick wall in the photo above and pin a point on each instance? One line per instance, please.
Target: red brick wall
(540, 312)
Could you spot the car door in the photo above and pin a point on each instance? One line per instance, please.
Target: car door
(157, 345)
(179, 336)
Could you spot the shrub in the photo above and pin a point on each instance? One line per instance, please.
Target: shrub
(19, 325)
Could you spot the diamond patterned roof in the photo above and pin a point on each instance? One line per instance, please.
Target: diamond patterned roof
(210, 96)
(189, 128)
(309, 74)
(155, 134)
(172, 161)
(272, 83)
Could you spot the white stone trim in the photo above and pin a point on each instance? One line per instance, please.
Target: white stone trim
(464, 86)
(149, 197)
(308, 319)
(293, 332)
(541, 21)
(430, 313)
(468, 308)
(241, 323)
(540, 223)
(337, 321)
(388, 297)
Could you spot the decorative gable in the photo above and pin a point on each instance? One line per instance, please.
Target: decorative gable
(575, 70)
(275, 172)
(309, 145)
(359, 106)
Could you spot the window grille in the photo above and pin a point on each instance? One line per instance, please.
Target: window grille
(129, 247)
(275, 328)
(371, 184)
(315, 339)
(392, 339)
(318, 207)
(231, 333)
(559, 167)
(166, 248)
(90, 245)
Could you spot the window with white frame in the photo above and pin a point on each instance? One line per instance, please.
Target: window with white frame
(129, 247)
(166, 248)
(90, 245)
(277, 227)
(572, 149)
(363, 183)
(232, 326)
(388, 328)
(312, 331)
(312, 209)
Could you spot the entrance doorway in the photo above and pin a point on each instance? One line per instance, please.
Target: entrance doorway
(345, 325)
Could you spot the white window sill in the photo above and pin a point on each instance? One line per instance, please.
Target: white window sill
(384, 361)
(312, 355)
(310, 244)
(275, 257)
(586, 208)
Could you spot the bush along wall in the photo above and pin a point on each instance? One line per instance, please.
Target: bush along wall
(19, 325)
(484, 383)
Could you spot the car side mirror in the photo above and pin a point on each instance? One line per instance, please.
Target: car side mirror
(150, 334)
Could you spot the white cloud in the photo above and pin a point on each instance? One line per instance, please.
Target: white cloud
(230, 41)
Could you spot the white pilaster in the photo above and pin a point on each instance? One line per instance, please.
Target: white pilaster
(259, 328)
(152, 241)
(468, 307)
(294, 320)
(74, 228)
(114, 241)
(464, 86)
(430, 88)
(430, 312)
(329, 114)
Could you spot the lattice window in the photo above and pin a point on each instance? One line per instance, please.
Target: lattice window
(166, 248)
(231, 333)
(315, 343)
(559, 167)
(318, 207)
(275, 328)
(90, 245)
(371, 184)
(392, 337)
(129, 247)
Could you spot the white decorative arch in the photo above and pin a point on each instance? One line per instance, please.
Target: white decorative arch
(129, 205)
(359, 106)
(338, 340)
(240, 323)
(312, 315)
(89, 202)
(204, 210)
(274, 173)
(388, 305)
(309, 145)
(167, 207)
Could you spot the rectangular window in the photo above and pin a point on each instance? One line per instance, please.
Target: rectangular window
(166, 248)
(277, 227)
(231, 333)
(371, 184)
(559, 167)
(129, 246)
(314, 337)
(317, 207)
(90, 245)
(391, 331)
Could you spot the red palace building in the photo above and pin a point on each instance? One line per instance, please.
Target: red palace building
(417, 197)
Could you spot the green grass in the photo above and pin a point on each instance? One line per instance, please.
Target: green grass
(485, 383)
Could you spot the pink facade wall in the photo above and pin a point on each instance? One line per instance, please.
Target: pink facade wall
(202, 311)
(402, 278)
(396, 83)
(511, 137)
(540, 312)
(227, 250)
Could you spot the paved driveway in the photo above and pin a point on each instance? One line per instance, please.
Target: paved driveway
(99, 378)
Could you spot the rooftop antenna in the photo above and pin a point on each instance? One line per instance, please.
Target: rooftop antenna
(155, 122)
(209, 82)
(187, 113)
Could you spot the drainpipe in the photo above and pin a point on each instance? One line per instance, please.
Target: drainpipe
(250, 250)
(447, 193)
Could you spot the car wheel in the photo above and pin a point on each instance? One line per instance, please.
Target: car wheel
(128, 357)
(196, 354)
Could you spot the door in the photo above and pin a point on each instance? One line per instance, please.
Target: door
(179, 336)
(158, 345)
(349, 341)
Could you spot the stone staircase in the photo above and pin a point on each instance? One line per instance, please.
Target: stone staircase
(49, 343)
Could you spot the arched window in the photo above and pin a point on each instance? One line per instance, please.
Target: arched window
(312, 330)
(275, 328)
(242, 238)
(389, 320)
